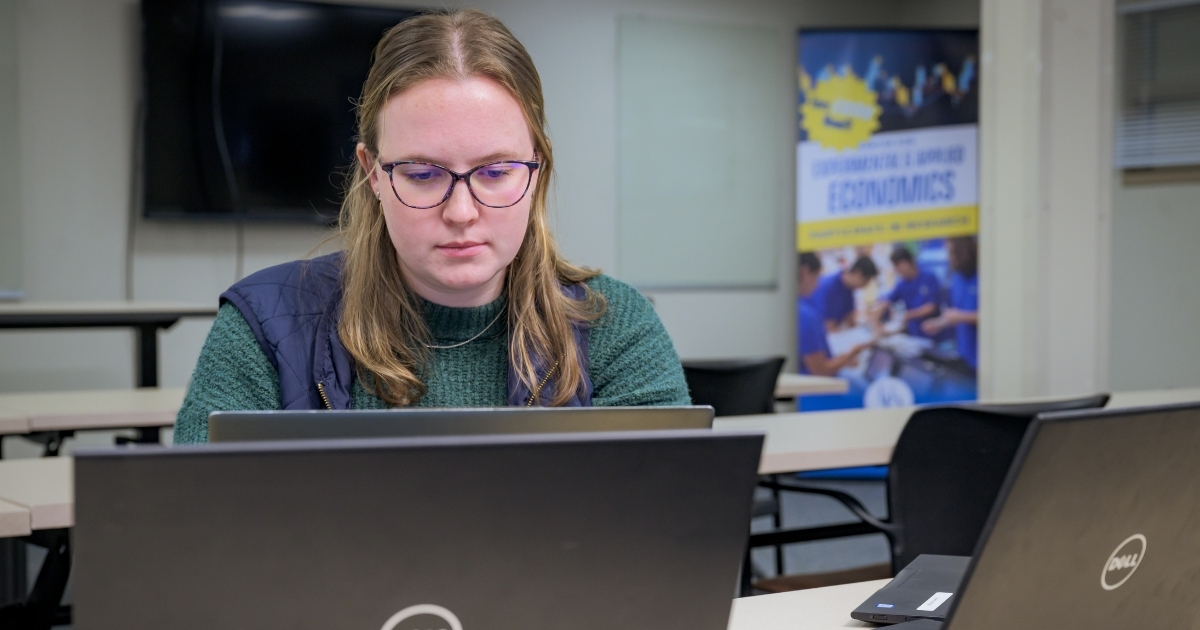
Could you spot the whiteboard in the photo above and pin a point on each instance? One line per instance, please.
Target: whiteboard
(705, 134)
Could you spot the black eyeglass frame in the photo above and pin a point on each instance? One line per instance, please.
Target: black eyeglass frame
(454, 179)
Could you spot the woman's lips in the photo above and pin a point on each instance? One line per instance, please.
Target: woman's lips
(461, 249)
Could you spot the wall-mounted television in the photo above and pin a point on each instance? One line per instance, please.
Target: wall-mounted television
(248, 105)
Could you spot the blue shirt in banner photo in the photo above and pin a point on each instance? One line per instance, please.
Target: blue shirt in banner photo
(833, 299)
(914, 294)
(964, 296)
(812, 332)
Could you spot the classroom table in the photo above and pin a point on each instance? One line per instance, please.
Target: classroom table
(42, 491)
(89, 409)
(145, 317)
(820, 440)
(791, 385)
(814, 609)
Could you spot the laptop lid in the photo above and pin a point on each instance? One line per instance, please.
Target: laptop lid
(585, 531)
(233, 426)
(1096, 526)
(922, 590)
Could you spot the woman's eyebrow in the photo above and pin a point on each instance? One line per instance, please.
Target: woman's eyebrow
(492, 157)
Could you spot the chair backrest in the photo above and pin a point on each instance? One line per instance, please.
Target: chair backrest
(735, 387)
(947, 469)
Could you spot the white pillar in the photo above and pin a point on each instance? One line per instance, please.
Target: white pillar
(1046, 118)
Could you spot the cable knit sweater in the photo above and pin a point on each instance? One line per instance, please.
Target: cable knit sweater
(631, 361)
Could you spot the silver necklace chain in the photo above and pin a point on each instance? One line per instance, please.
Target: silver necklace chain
(463, 343)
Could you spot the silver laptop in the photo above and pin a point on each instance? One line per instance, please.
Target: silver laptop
(235, 426)
(583, 531)
(1097, 526)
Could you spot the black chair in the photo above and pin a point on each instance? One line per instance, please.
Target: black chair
(945, 474)
(734, 387)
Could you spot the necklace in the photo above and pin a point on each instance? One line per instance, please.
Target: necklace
(463, 343)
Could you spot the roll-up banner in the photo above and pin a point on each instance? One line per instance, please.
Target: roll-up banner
(887, 219)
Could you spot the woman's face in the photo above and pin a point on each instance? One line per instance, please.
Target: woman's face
(456, 253)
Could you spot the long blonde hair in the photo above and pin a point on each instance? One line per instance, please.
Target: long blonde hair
(381, 322)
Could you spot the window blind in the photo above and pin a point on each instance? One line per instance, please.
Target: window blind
(1159, 121)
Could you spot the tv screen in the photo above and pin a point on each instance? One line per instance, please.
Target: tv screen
(249, 105)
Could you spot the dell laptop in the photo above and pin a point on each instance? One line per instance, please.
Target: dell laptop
(230, 426)
(587, 531)
(1097, 526)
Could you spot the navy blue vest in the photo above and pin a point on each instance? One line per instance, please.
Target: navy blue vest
(293, 310)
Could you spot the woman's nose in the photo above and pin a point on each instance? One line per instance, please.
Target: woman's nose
(460, 207)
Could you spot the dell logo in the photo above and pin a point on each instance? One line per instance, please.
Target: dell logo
(1123, 562)
(446, 619)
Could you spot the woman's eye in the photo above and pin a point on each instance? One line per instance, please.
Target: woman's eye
(421, 176)
(496, 172)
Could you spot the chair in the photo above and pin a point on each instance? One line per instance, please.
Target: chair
(734, 387)
(945, 474)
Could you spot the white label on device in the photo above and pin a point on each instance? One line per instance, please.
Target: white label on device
(933, 602)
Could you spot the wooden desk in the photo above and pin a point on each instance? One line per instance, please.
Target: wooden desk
(1154, 397)
(816, 609)
(146, 317)
(792, 385)
(42, 490)
(96, 409)
(824, 439)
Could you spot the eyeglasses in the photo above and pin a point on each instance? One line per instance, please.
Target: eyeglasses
(422, 185)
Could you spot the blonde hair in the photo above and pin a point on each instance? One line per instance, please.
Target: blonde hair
(381, 321)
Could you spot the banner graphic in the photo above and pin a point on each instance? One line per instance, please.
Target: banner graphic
(887, 215)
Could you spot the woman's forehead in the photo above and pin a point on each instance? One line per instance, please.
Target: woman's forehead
(454, 120)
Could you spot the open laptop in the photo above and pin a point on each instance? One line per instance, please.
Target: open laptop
(583, 531)
(233, 426)
(1097, 526)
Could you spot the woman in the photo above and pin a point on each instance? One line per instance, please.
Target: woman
(450, 290)
(962, 312)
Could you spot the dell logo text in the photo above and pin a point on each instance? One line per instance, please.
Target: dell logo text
(1123, 562)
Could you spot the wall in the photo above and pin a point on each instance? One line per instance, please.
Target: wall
(1155, 304)
(10, 190)
(78, 78)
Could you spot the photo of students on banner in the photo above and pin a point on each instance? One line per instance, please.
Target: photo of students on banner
(887, 216)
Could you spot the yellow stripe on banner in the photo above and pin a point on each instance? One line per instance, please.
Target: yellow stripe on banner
(886, 228)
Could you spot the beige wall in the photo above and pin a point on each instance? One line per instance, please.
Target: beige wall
(1155, 300)
(10, 193)
(77, 86)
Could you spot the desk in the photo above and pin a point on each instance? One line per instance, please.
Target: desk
(146, 317)
(792, 385)
(40, 491)
(823, 439)
(815, 609)
(82, 410)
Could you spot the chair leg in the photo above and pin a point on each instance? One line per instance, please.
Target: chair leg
(746, 589)
(778, 520)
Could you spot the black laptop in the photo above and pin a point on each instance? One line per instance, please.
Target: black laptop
(1097, 526)
(583, 531)
(236, 426)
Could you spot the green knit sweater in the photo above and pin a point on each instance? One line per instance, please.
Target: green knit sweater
(631, 361)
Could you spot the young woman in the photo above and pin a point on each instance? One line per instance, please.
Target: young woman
(450, 290)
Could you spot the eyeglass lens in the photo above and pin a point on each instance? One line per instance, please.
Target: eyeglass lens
(426, 185)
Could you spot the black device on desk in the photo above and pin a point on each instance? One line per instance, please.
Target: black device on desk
(236, 426)
(1096, 527)
(586, 531)
(922, 590)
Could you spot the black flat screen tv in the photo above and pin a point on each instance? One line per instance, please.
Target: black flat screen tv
(248, 106)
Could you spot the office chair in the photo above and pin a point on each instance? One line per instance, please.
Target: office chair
(945, 474)
(734, 387)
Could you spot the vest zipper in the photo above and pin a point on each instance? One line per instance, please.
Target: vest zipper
(324, 398)
(545, 380)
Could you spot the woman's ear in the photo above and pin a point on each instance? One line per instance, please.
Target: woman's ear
(367, 162)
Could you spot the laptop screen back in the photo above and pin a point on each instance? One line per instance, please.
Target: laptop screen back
(583, 531)
(1100, 527)
(234, 426)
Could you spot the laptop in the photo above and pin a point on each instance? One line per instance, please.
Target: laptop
(919, 591)
(1097, 526)
(586, 531)
(233, 426)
